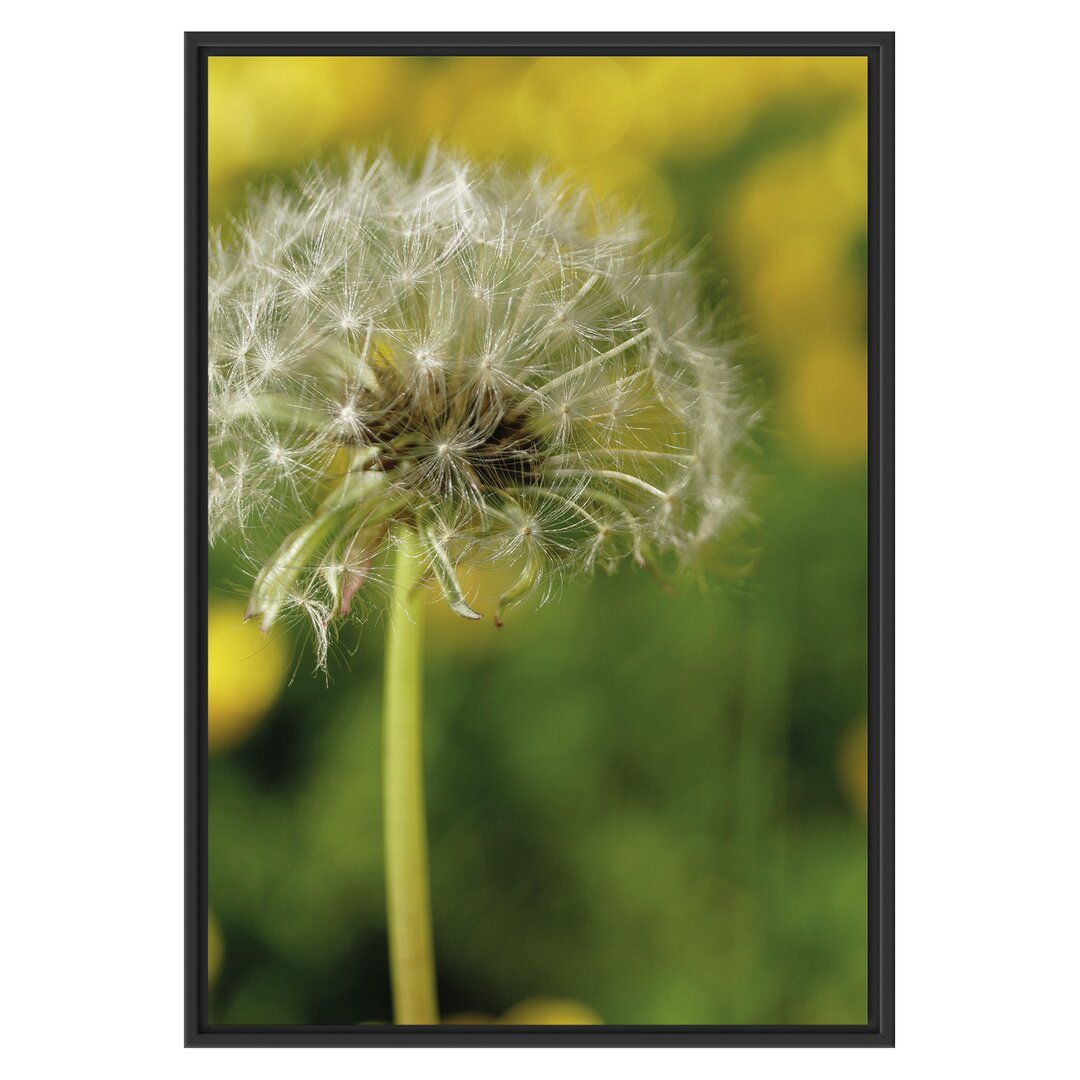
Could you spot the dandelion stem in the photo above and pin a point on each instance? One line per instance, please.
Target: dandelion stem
(412, 957)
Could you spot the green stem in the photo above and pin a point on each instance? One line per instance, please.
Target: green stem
(412, 957)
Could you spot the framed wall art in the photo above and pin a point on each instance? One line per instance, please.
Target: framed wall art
(539, 403)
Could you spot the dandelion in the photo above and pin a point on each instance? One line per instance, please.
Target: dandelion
(413, 371)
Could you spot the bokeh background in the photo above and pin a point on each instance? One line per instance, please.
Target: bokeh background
(643, 809)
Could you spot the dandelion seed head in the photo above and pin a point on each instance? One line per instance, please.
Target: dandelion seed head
(494, 359)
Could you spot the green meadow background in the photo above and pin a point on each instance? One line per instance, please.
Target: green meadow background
(642, 808)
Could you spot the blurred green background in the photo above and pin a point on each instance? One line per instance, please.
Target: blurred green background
(643, 809)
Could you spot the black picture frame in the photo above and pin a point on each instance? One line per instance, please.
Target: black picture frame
(879, 50)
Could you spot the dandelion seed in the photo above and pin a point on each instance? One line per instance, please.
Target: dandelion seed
(496, 361)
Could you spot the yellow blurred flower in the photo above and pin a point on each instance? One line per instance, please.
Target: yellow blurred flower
(802, 295)
(696, 106)
(689, 105)
(275, 111)
(841, 77)
(246, 669)
(575, 107)
(562, 110)
(852, 765)
(466, 103)
(533, 1012)
(215, 948)
(545, 1010)
(826, 401)
(475, 1018)
(812, 194)
(795, 231)
(847, 158)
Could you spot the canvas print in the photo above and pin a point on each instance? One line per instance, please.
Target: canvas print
(537, 529)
